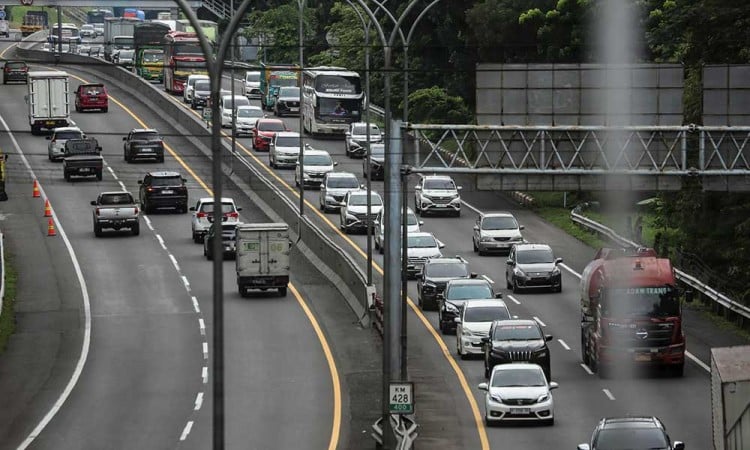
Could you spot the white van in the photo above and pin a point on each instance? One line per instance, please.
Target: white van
(226, 108)
(4, 28)
(187, 94)
(252, 84)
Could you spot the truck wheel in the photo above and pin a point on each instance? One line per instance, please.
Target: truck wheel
(282, 291)
(67, 176)
(160, 159)
(105, 109)
(677, 371)
(243, 291)
(136, 230)
(99, 175)
(125, 156)
(97, 230)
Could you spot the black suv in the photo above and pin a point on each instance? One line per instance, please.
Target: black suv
(435, 275)
(516, 340)
(631, 432)
(457, 293)
(15, 71)
(143, 143)
(228, 237)
(163, 190)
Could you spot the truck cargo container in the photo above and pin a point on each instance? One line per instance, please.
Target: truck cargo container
(730, 397)
(123, 29)
(262, 257)
(48, 100)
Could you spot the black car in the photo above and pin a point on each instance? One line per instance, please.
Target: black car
(457, 292)
(143, 143)
(228, 235)
(631, 432)
(287, 101)
(377, 162)
(163, 190)
(516, 340)
(435, 275)
(15, 71)
(533, 266)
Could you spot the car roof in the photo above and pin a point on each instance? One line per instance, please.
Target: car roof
(447, 260)
(497, 214)
(287, 134)
(164, 173)
(337, 174)
(66, 129)
(198, 76)
(311, 151)
(527, 246)
(363, 192)
(143, 130)
(420, 233)
(211, 200)
(516, 366)
(441, 177)
(249, 107)
(268, 119)
(631, 422)
(484, 303)
(518, 322)
(91, 84)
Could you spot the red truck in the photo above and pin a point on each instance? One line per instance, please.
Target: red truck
(630, 312)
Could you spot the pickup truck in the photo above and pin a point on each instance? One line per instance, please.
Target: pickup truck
(81, 157)
(116, 210)
(143, 143)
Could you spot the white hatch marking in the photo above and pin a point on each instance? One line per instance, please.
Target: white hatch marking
(195, 304)
(539, 321)
(565, 346)
(608, 394)
(514, 300)
(586, 368)
(199, 401)
(186, 431)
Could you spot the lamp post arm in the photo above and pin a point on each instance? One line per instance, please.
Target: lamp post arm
(381, 5)
(416, 21)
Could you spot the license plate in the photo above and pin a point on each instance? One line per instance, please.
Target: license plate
(294, 109)
(520, 411)
(642, 357)
(85, 170)
(256, 281)
(146, 150)
(49, 122)
(167, 191)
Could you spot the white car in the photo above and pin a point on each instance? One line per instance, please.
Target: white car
(317, 163)
(518, 391)
(57, 140)
(496, 232)
(412, 226)
(355, 142)
(437, 193)
(87, 30)
(283, 151)
(420, 247)
(334, 187)
(246, 117)
(225, 108)
(203, 215)
(473, 323)
(252, 84)
(188, 92)
(99, 29)
(353, 212)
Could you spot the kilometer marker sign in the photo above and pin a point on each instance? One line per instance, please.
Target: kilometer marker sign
(401, 398)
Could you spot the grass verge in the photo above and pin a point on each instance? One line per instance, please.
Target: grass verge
(7, 318)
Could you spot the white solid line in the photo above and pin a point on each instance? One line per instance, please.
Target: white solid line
(514, 299)
(565, 346)
(174, 262)
(198, 401)
(148, 221)
(186, 431)
(114, 175)
(566, 267)
(195, 304)
(698, 361)
(608, 394)
(476, 210)
(205, 350)
(161, 241)
(202, 326)
(586, 368)
(204, 375)
(186, 282)
(111, 170)
(539, 321)
(488, 279)
(122, 185)
(86, 343)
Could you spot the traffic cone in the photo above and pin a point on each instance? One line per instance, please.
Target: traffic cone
(36, 190)
(51, 228)
(47, 209)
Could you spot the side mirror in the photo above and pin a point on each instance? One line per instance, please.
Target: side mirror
(376, 222)
(440, 297)
(689, 296)
(124, 138)
(457, 320)
(521, 227)
(140, 181)
(417, 188)
(441, 245)
(335, 163)
(547, 337)
(678, 445)
(476, 227)
(93, 202)
(558, 260)
(458, 188)
(483, 387)
(583, 447)
(192, 208)
(499, 295)
(473, 275)
(239, 208)
(48, 138)
(347, 134)
(421, 222)
(553, 385)
(485, 340)
(99, 148)
(510, 262)
(322, 186)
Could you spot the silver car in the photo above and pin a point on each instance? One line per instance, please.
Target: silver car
(420, 247)
(436, 194)
(56, 146)
(316, 164)
(518, 391)
(496, 232)
(412, 226)
(203, 216)
(283, 151)
(246, 116)
(353, 211)
(334, 187)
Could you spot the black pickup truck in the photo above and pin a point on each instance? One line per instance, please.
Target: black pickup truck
(81, 157)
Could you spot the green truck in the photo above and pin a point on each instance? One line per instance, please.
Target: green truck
(148, 42)
(274, 76)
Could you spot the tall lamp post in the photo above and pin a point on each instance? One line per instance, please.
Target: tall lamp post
(301, 159)
(215, 64)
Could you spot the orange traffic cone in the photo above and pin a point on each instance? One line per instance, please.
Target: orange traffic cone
(51, 228)
(47, 209)
(36, 190)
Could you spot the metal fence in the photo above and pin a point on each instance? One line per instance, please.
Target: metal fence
(2, 271)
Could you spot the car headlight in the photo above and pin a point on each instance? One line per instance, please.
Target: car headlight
(519, 272)
(450, 307)
(543, 398)
(456, 200)
(556, 271)
(486, 238)
(540, 353)
(517, 239)
(496, 398)
(467, 332)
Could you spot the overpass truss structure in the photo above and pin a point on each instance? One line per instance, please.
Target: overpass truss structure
(590, 158)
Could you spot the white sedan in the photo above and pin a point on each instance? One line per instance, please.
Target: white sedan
(518, 392)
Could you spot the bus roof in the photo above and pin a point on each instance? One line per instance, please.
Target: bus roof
(330, 70)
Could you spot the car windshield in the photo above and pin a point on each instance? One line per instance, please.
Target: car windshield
(362, 130)
(519, 378)
(146, 136)
(126, 54)
(271, 126)
(65, 135)
(439, 184)
(343, 183)
(252, 77)
(287, 141)
(658, 301)
(421, 242)
(249, 112)
(238, 101)
(630, 438)
(289, 92)
(486, 314)
(499, 223)
(153, 57)
(468, 292)
(318, 160)
(116, 199)
(377, 149)
(517, 332)
(361, 200)
(535, 256)
(202, 86)
(457, 270)
(225, 208)
(166, 181)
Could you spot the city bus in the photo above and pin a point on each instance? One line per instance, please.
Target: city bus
(210, 28)
(332, 98)
(70, 34)
(183, 56)
(98, 15)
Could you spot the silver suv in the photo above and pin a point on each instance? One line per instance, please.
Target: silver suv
(353, 212)
(496, 232)
(437, 193)
(56, 146)
(334, 187)
(203, 216)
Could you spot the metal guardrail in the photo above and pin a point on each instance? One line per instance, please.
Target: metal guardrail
(686, 278)
(2, 271)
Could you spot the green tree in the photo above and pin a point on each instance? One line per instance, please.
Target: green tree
(280, 26)
(434, 105)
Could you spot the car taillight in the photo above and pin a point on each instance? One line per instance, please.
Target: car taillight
(54, 140)
(232, 214)
(25, 69)
(96, 211)
(200, 215)
(136, 210)
(150, 189)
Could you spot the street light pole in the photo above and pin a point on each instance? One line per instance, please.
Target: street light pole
(301, 4)
(215, 65)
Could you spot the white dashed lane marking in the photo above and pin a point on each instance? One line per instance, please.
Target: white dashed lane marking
(565, 346)
(608, 394)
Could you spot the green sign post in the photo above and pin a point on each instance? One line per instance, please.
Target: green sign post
(401, 398)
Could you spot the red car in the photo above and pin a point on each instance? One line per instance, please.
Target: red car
(264, 131)
(92, 96)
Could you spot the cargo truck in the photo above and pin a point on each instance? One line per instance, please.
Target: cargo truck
(273, 77)
(630, 312)
(148, 43)
(123, 29)
(48, 101)
(34, 21)
(262, 257)
(730, 397)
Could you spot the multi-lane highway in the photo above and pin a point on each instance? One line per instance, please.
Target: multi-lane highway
(142, 381)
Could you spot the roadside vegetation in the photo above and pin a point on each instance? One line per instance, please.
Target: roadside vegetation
(7, 318)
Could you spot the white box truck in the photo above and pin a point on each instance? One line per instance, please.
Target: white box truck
(730, 397)
(121, 27)
(262, 260)
(48, 100)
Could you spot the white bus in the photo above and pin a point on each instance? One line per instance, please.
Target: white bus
(332, 98)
